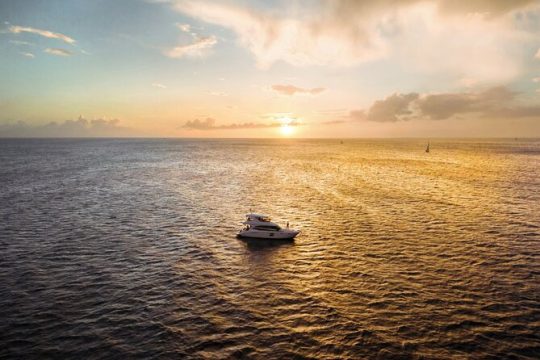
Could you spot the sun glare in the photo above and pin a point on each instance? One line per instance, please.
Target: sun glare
(286, 129)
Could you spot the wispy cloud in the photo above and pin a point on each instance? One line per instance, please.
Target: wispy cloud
(218, 93)
(159, 85)
(58, 52)
(70, 128)
(184, 27)
(20, 43)
(495, 102)
(45, 33)
(292, 90)
(27, 54)
(333, 122)
(537, 55)
(198, 48)
(210, 124)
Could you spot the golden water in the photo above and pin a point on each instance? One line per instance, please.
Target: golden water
(127, 248)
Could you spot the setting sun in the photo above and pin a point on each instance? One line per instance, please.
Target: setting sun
(287, 126)
(286, 130)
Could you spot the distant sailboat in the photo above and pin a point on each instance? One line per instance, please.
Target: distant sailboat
(427, 148)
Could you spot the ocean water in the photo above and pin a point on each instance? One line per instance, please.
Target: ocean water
(127, 249)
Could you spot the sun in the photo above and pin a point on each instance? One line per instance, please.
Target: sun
(286, 128)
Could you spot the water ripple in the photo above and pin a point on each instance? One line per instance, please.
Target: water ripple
(126, 248)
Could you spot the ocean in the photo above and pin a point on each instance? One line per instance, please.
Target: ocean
(126, 248)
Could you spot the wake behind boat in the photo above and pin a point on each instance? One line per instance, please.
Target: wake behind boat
(261, 227)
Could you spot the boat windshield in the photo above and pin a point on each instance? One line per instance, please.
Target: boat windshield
(259, 218)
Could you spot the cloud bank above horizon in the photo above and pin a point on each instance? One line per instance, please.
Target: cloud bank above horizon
(69, 128)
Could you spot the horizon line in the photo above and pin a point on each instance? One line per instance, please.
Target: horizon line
(261, 138)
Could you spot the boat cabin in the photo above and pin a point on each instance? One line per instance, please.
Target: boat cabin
(272, 227)
(260, 222)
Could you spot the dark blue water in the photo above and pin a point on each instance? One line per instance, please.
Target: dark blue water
(127, 249)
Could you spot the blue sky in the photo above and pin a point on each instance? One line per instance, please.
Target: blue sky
(249, 68)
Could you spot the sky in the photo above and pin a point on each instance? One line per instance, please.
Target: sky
(309, 69)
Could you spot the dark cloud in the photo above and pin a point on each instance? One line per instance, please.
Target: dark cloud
(394, 108)
(210, 124)
(494, 102)
(69, 128)
(444, 106)
(197, 124)
(292, 90)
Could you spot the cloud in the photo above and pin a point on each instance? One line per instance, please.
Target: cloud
(198, 48)
(394, 108)
(349, 32)
(70, 128)
(14, 29)
(218, 93)
(468, 82)
(21, 43)
(299, 41)
(489, 8)
(184, 27)
(444, 106)
(333, 122)
(357, 115)
(445, 7)
(516, 112)
(27, 54)
(291, 90)
(159, 85)
(536, 79)
(537, 55)
(197, 124)
(210, 124)
(58, 52)
(495, 102)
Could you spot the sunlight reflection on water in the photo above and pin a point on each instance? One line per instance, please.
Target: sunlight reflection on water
(128, 248)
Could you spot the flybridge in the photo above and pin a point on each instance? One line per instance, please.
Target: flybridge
(252, 217)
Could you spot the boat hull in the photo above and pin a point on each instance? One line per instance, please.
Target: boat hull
(268, 235)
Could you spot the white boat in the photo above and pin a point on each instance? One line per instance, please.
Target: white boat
(261, 227)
